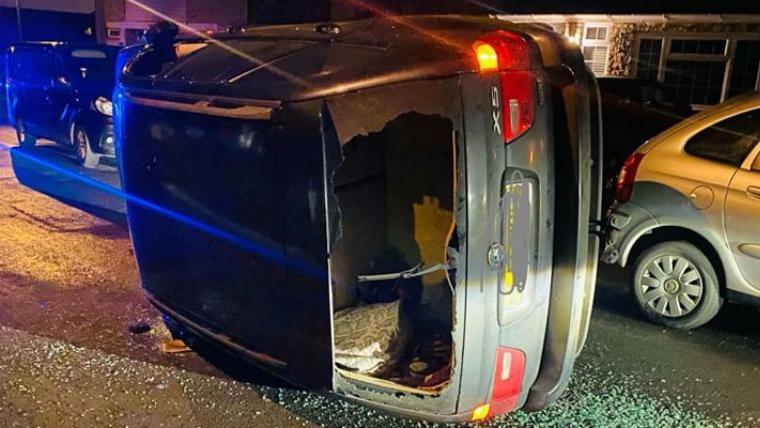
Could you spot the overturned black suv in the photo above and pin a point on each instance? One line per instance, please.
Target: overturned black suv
(399, 210)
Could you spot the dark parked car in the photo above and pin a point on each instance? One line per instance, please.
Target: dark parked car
(395, 211)
(634, 110)
(62, 92)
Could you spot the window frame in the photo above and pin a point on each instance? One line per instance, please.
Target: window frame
(752, 163)
(596, 43)
(637, 50)
(732, 51)
(665, 54)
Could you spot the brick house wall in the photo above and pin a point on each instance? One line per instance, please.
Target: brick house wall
(232, 13)
(127, 21)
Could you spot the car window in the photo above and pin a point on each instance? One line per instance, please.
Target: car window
(31, 67)
(728, 141)
(88, 66)
(89, 54)
(95, 70)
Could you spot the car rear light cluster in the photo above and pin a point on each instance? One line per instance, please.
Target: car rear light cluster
(627, 177)
(507, 384)
(509, 55)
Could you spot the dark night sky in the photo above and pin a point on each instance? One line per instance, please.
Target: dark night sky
(582, 6)
(630, 6)
(278, 11)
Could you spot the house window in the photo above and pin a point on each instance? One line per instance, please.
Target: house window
(595, 48)
(700, 82)
(596, 33)
(696, 46)
(745, 68)
(114, 33)
(703, 69)
(596, 58)
(650, 51)
(696, 67)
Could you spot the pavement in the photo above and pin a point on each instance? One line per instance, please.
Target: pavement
(69, 290)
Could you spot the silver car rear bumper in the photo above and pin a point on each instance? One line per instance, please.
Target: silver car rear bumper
(626, 224)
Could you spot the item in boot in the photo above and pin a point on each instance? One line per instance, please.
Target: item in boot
(372, 338)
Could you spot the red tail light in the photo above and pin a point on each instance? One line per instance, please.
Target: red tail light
(509, 54)
(508, 51)
(517, 101)
(507, 382)
(627, 177)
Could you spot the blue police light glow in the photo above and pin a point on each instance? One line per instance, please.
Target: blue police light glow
(303, 267)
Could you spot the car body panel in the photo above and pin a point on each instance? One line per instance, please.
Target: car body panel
(367, 111)
(208, 224)
(705, 197)
(52, 101)
(184, 222)
(303, 63)
(634, 111)
(742, 213)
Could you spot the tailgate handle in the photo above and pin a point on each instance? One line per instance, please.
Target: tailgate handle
(206, 107)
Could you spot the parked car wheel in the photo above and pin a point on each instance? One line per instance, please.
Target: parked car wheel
(84, 153)
(25, 139)
(675, 285)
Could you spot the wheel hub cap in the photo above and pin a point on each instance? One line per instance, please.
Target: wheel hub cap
(671, 285)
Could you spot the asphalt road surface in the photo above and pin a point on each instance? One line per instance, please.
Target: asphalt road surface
(69, 290)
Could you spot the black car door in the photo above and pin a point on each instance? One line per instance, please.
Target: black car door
(28, 81)
(60, 97)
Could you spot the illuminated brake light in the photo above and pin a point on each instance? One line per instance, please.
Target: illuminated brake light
(627, 177)
(487, 58)
(508, 377)
(509, 54)
(504, 51)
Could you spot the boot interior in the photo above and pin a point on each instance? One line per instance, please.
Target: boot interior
(393, 263)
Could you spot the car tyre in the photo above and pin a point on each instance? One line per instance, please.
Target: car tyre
(81, 142)
(675, 285)
(25, 139)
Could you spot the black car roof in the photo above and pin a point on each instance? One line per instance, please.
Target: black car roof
(291, 62)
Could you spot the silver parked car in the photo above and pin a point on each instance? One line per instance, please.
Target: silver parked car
(688, 216)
